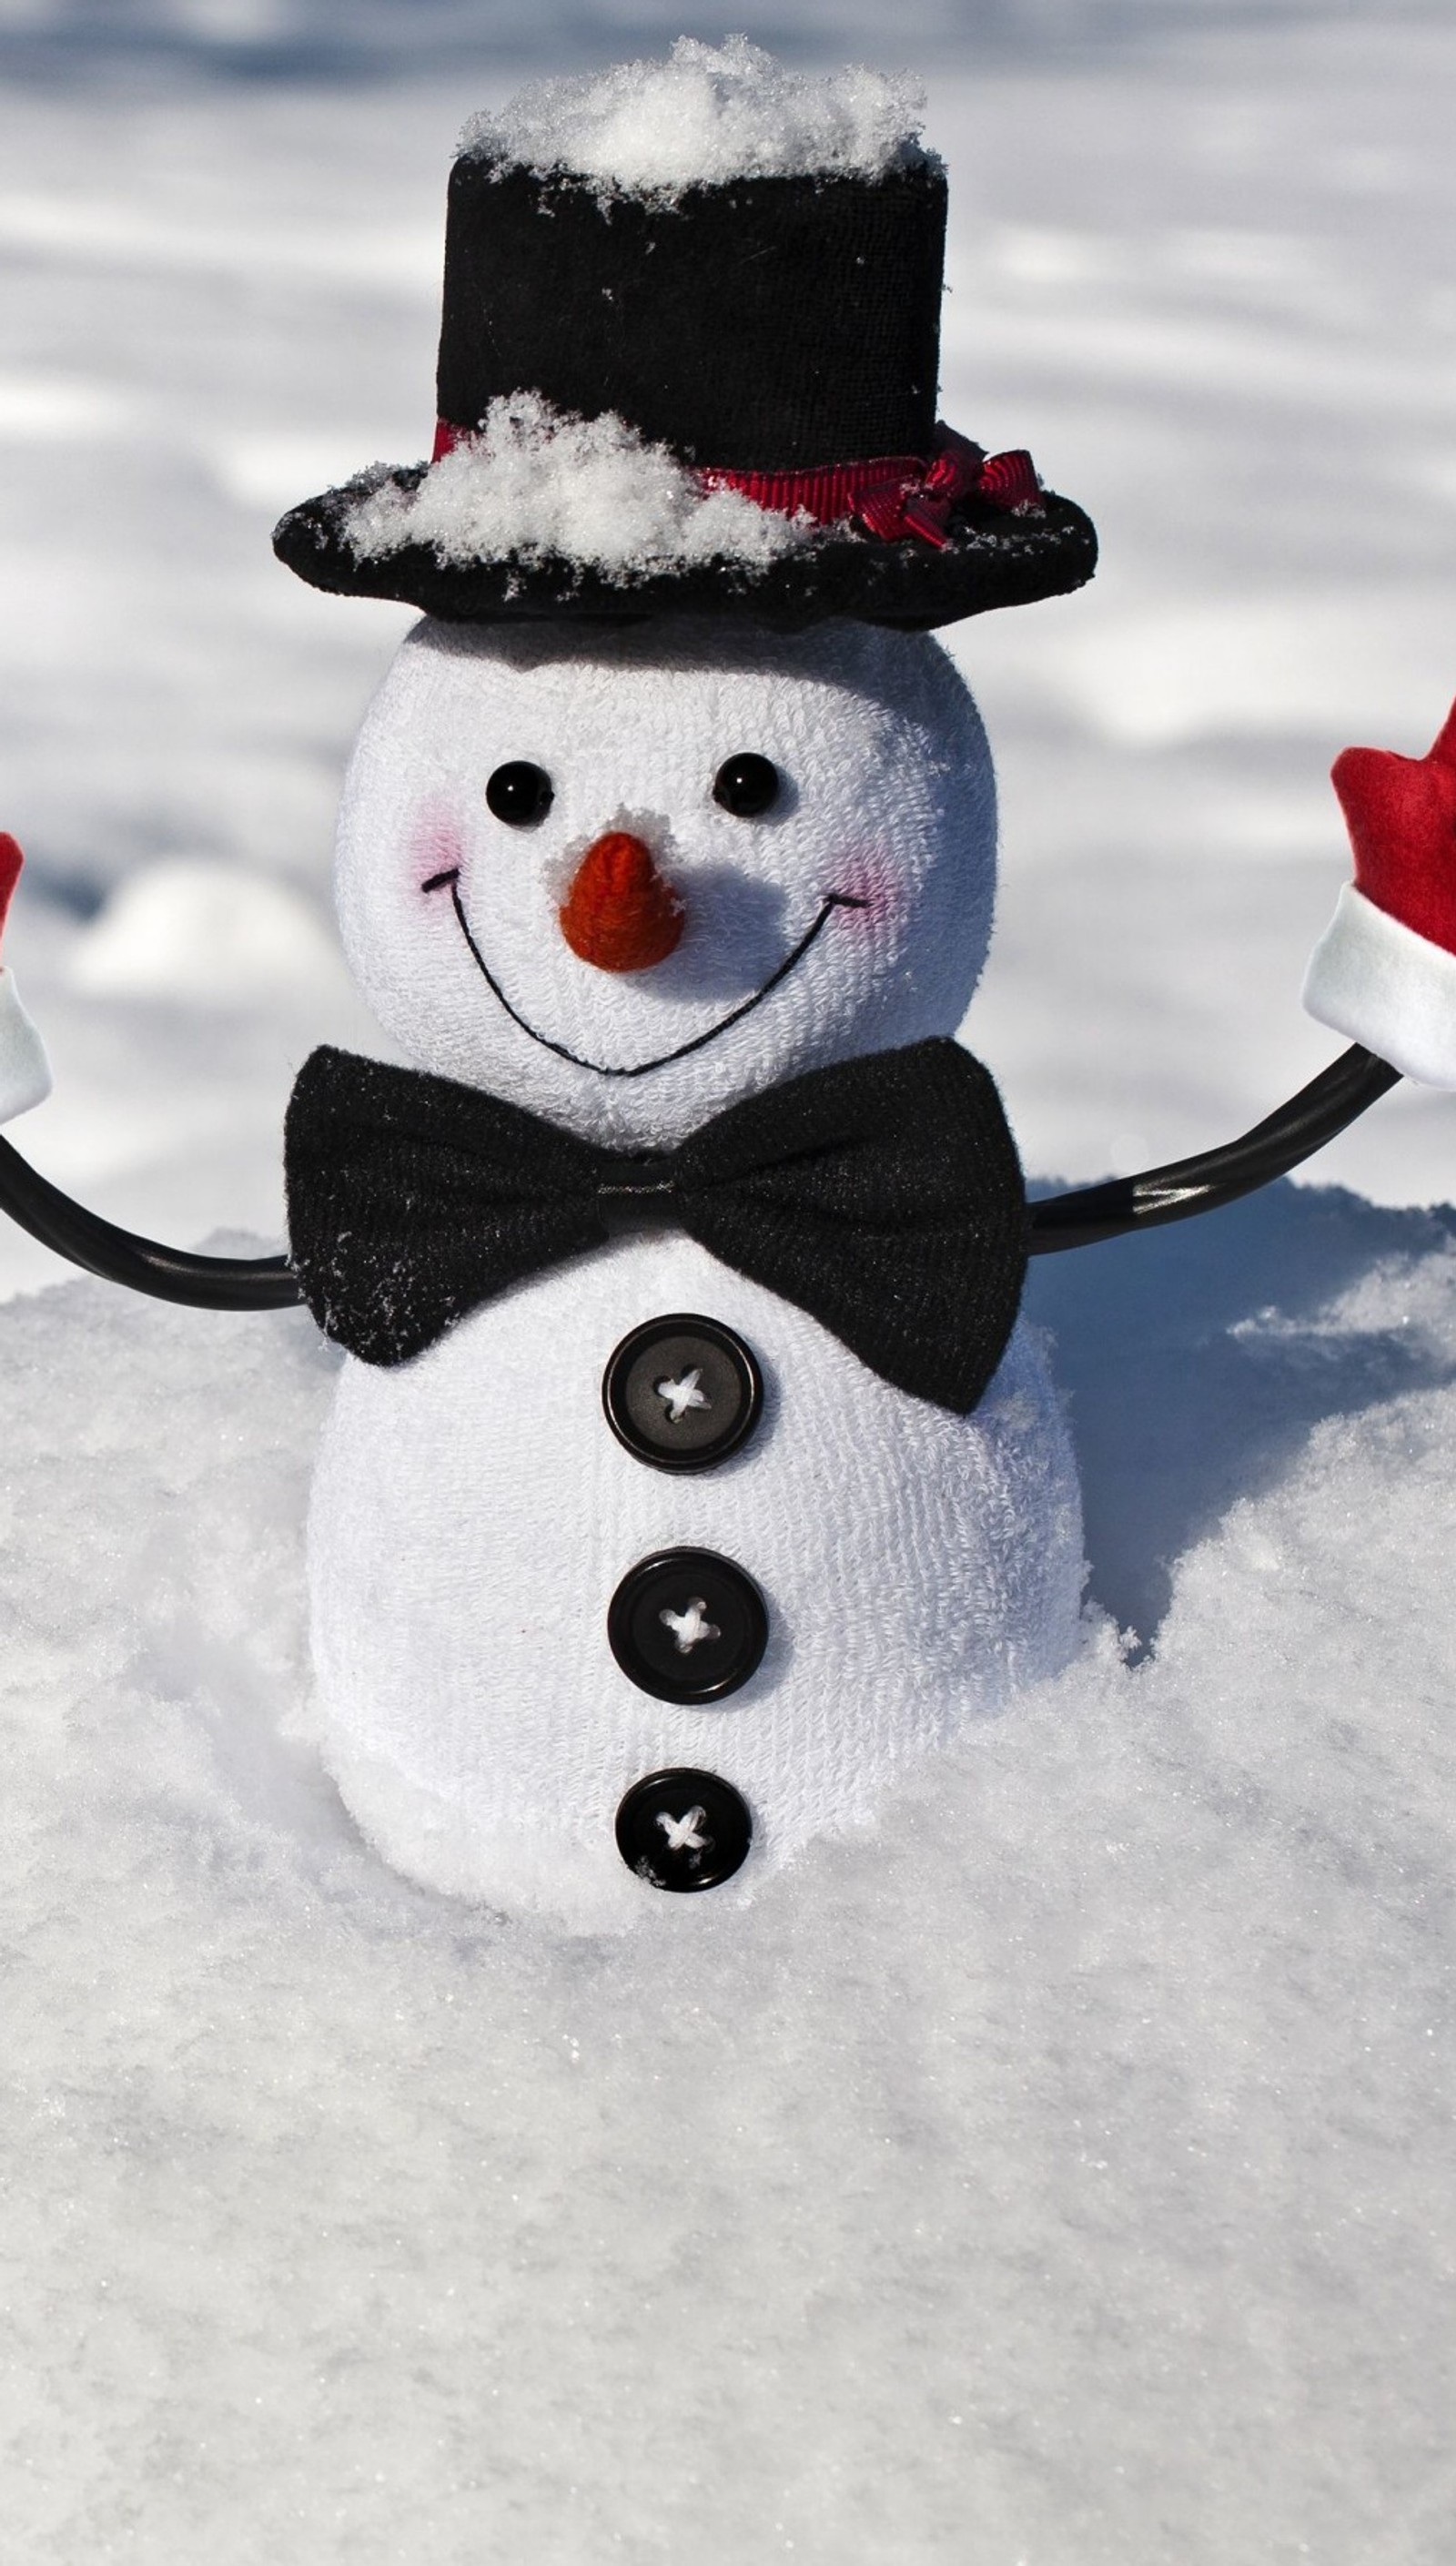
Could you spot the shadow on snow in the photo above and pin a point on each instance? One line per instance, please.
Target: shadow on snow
(1182, 1401)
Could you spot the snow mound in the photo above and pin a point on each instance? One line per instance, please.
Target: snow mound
(705, 114)
(536, 482)
(205, 931)
(1069, 2158)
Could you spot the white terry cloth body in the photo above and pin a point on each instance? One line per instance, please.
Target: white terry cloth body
(1382, 985)
(473, 1513)
(25, 1072)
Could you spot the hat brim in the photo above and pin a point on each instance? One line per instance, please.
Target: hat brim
(991, 557)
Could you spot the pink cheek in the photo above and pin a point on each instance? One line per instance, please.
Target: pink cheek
(436, 847)
(878, 889)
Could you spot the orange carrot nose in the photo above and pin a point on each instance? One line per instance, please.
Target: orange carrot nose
(621, 912)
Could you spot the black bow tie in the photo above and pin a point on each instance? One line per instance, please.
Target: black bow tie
(883, 1195)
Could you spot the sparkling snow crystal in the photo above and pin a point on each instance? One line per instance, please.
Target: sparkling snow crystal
(707, 113)
(536, 482)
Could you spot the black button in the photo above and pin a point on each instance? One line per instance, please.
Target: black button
(688, 1626)
(682, 1393)
(683, 1829)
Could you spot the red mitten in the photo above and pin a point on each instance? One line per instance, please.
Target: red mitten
(1385, 971)
(25, 1075)
(1402, 816)
(11, 861)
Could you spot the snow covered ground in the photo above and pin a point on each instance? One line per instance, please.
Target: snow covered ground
(1061, 2174)
(1063, 2177)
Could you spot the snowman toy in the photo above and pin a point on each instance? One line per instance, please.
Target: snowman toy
(690, 1469)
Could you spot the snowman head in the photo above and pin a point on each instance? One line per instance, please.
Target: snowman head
(627, 877)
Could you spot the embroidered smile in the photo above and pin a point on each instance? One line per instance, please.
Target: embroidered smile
(636, 1069)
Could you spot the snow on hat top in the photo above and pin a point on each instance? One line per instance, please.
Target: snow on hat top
(706, 114)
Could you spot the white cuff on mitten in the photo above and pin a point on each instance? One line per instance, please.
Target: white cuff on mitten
(1386, 986)
(25, 1072)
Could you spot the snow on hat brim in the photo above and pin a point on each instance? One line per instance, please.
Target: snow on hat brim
(543, 517)
(1003, 563)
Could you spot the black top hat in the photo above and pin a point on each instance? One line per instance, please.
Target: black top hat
(778, 337)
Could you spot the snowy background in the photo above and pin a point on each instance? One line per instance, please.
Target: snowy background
(1063, 2178)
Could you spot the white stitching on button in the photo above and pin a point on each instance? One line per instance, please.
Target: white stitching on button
(690, 1627)
(682, 1833)
(681, 1395)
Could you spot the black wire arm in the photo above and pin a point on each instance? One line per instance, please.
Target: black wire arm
(167, 1273)
(1294, 1131)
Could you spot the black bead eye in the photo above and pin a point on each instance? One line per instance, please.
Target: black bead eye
(747, 785)
(518, 793)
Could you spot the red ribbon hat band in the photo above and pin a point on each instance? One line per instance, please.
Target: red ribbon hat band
(889, 495)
